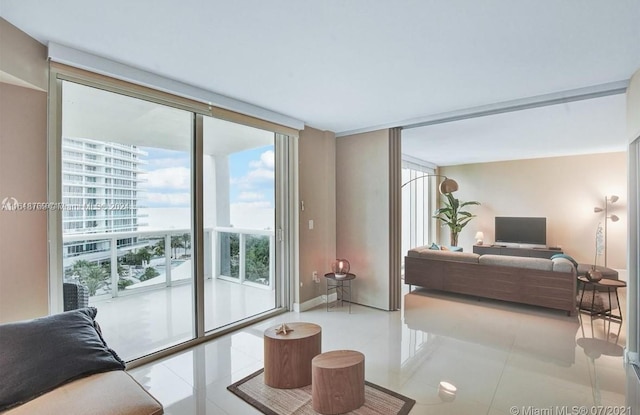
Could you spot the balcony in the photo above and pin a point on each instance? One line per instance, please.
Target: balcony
(142, 282)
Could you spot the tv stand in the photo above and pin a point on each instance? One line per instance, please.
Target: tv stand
(515, 251)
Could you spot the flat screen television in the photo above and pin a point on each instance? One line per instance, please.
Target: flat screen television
(521, 230)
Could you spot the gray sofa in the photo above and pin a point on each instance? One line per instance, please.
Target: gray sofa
(536, 281)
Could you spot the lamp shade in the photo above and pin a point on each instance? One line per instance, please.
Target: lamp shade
(340, 267)
(448, 186)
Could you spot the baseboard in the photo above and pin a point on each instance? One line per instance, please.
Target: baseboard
(314, 302)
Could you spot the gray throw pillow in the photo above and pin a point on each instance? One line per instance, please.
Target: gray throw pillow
(39, 355)
(565, 256)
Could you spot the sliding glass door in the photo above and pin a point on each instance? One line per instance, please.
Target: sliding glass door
(239, 219)
(125, 176)
(135, 171)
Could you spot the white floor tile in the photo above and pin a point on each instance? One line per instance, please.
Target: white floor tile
(498, 355)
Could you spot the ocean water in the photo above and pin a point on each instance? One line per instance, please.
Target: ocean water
(243, 215)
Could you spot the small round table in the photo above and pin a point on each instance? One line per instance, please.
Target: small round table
(603, 284)
(338, 382)
(287, 357)
(338, 284)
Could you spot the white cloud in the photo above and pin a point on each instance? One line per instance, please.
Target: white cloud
(250, 196)
(267, 161)
(262, 171)
(169, 199)
(260, 175)
(174, 178)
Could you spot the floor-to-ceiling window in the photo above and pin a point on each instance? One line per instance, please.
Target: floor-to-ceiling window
(170, 224)
(126, 223)
(416, 206)
(239, 220)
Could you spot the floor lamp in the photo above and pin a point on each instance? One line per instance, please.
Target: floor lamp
(446, 186)
(608, 200)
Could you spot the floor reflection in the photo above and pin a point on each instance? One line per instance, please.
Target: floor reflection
(452, 354)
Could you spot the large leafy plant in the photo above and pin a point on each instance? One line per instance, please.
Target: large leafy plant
(453, 215)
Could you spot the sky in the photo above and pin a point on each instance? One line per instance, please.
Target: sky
(251, 182)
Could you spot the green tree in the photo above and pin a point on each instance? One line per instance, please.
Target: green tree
(94, 277)
(186, 241)
(149, 273)
(78, 269)
(257, 259)
(144, 254)
(123, 283)
(176, 242)
(158, 248)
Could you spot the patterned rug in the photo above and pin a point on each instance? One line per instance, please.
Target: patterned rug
(272, 401)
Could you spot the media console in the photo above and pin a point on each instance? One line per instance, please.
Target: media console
(513, 251)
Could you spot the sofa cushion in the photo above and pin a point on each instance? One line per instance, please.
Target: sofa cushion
(562, 265)
(422, 252)
(568, 257)
(542, 264)
(109, 393)
(41, 354)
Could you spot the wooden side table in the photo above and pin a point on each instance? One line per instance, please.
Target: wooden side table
(287, 357)
(338, 382)
(341, 286)
(603, 284)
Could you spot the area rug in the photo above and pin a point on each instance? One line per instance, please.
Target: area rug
(272, 401)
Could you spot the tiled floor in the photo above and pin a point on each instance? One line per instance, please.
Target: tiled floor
(498, 355)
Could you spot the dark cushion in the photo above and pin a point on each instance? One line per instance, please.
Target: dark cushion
(565, 256)
(39, 355)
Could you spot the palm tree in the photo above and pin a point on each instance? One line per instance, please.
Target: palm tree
(144, 254)
(186, 240)
(453, 217)
(95, 278)
(158, 248)
(176, 242)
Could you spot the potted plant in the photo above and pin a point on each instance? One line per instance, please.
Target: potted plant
(453, 216)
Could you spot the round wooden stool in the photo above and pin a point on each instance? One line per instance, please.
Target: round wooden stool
(338, 382)
(287, 357)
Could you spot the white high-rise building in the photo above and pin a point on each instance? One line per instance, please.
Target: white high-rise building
(101, 191)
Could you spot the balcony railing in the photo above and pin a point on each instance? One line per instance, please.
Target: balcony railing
(122, 263)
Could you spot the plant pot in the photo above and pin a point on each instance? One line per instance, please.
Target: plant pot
(593, 275)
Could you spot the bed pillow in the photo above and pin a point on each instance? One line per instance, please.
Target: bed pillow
(39, 355)
(565, 256)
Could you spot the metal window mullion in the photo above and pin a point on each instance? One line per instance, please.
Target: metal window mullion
(197, 234)
(242, 240)
(54, 194)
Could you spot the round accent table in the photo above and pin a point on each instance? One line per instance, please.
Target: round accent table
(342, 287)
(605, 310)
(338, 382)
(287, 357)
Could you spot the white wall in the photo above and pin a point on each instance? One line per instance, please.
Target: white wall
(23, 235)
(362, 166)
(563, 189)
(23, 159)
(317, 182)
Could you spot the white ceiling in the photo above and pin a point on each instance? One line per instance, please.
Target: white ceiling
(350, 65)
